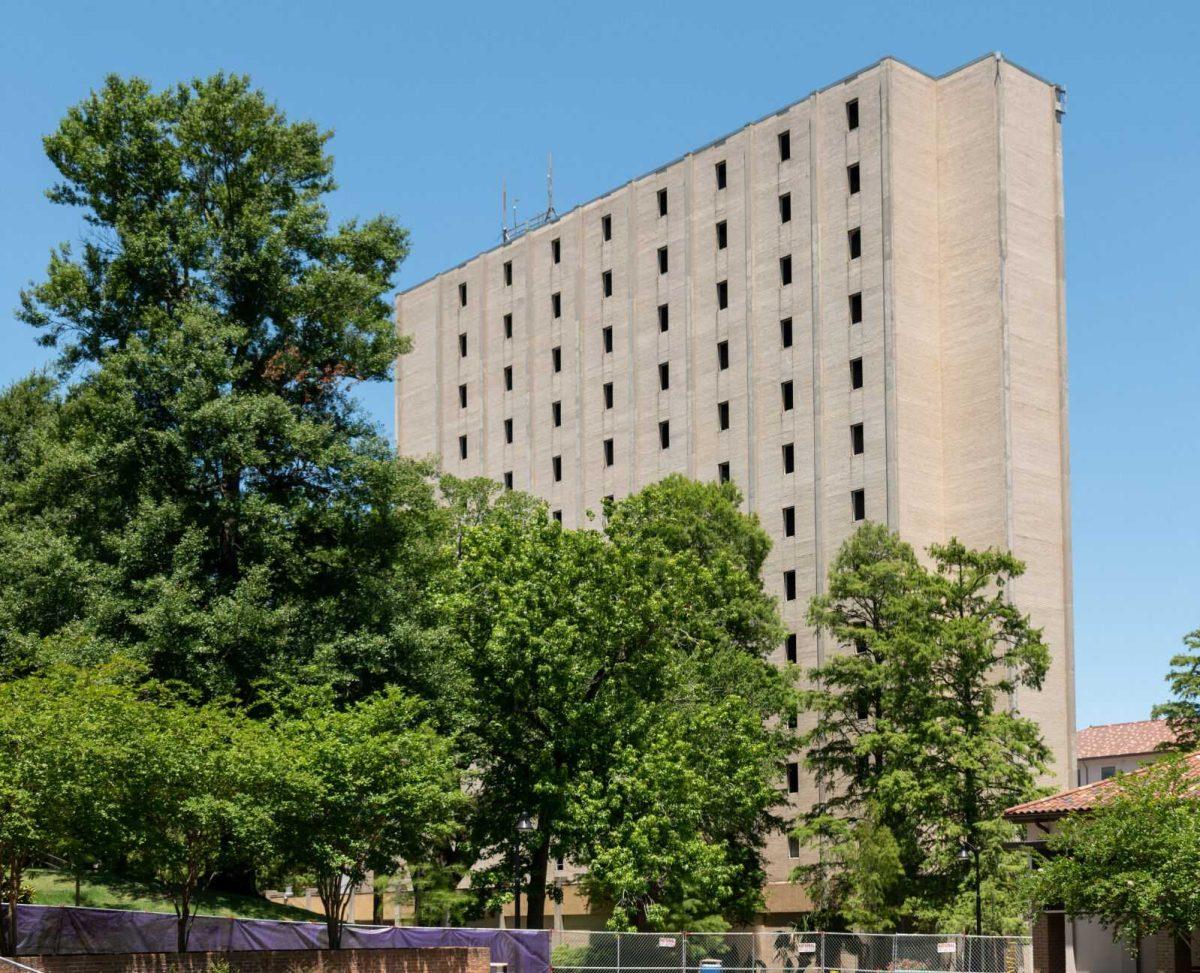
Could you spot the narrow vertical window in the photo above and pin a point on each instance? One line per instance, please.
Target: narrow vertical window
(462, 396)
(785, 146)
(785, 270)
(789, 648)
(722, 235)
(852, 178)
(722, 355)
(508, 326)
(462, 447)
(556, 467)
(852, 114)
(785, 208)
(462, 295)
(607, 336)
(608, 452)
(462, 345)
(664, 317)
(793, 841)
(723, 415)
(664, 434)
(856, 308)
(662, 260)
(508, 480)
(789, 458)
(721, 174)
(785, 391)
(662, 202)
(608, 395)
(664, 375)
(789, 585)
(557, 515)
(556, 357)
(858, 504)
(508, 378)
(793, 778)
(854, 239)
(723, 474)
(508, 430)
(856, 439)
(556, 413)
(508, 273)
(556, 250)
(856, 373)
(785, 332)
(606, 227)
(722, 295)
(556, 304)
(606, 283)
(789, 521)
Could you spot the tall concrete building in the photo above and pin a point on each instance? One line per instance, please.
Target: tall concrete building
(853, 307)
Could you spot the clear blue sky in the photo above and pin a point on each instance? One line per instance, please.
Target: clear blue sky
(433, 103)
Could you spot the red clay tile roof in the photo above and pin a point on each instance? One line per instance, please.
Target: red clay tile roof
(1122, 739)
(1076, 799)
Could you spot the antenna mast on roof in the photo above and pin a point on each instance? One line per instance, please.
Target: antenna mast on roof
(509, 233)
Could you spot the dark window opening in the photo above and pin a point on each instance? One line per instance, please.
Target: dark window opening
(789, 585)
(852, 114)
(556, 466)
(856, 308)
(662, 202)
(462, 447)
(508, 325)
(664, 434)
(785, 146)
(606, 227)
(462, 345)
(556, 357)
(793, 778)
(785, 208)
(664, 375)
(664, 317)
(556, 304)
(789, 458)
(793, 841)
(785, 332)
(607, 335)
(722, 295)
(721, 182)
(556, 413)
(606, 282)
(508, 378)
(789, 521)
(722, 416)
(723, 474)
(608, 395)
(462, 295)
(855, 239)
(608, 452)
(785, 391)
(856, 439)
(858, 504)
(557, 515)
(789, 651)
(508, 480)
(508, 430)
(722, 355)
(662, 260)
(508, 273)
(852, 179)
(856, 373)
(556, 250)
(722, 235)
(462, 396)
(785, 271)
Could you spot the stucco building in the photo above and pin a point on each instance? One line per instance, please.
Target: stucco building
(853, 307)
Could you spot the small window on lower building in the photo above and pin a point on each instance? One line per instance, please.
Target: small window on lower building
(508, 378)
(856, 308)
(557, 515)
(854, 239)
(785, 271)
(606, 283)
(789, 521)
(789, 585)
(722, 355)
(852, 179)
(723, 473)
(462, 396)
(722, 295)
(722, 235)
(785, 332)
(663, 262)
(556, 467)
(608, 452)
(793, 846)
(793, 778)
(462, 345)
(560, 864)
(785, 208)
(508, 325)
(462, 447)
(556, 358)
(1107, 772)
(508, 431)
(556, 304)
(664, 375)
(785, 392)
(664, 434)
(722, 416)
(789, 458)
(508, 480)
(606, 334)
(721, 175)
(790, 649)
(858, 504)
(664, 317)
(856, 373)
(856, 439)
(608, 395)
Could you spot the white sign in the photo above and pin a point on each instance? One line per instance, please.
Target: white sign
(947, 947)
(667, 942)
(808, 947)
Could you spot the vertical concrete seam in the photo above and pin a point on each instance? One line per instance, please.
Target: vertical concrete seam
(890, 433)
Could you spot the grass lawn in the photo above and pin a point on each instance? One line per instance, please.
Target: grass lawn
(108, 892)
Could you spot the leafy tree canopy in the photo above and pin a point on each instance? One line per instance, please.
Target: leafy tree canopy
(1182, 712)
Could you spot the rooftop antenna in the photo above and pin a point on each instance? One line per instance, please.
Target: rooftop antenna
(508, 233)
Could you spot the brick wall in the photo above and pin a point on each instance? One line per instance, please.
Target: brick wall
(440, 960)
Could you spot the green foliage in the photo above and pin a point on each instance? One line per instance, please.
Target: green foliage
(916, 740)
(1182, 712)
(618, 685)
(1133, 862)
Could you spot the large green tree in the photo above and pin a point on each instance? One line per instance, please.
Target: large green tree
(917, 741)
(195, 487)
(581, 647)
(1182, 712)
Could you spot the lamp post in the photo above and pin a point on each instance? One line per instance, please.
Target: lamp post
(524, 827)
(966, 853)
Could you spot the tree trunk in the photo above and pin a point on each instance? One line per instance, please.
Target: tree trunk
(538, 867)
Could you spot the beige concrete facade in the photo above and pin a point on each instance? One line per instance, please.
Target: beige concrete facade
(961, 340)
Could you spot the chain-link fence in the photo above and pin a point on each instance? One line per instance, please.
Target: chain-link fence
(785, 951)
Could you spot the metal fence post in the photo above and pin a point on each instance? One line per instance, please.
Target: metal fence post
(619, 952)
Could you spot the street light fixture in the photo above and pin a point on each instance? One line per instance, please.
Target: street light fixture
(525, 825)
(966, 853)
